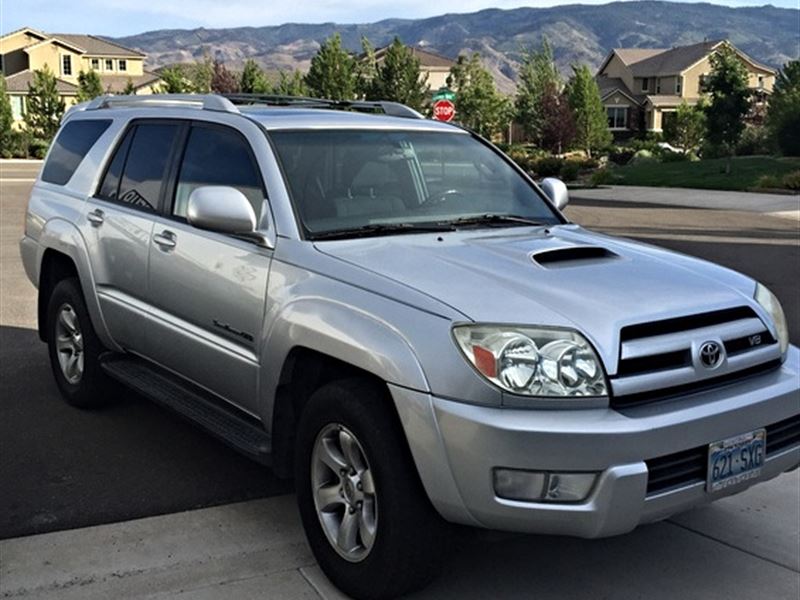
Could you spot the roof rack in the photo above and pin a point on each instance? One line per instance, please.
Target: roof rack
(202, 101)
(392, 109)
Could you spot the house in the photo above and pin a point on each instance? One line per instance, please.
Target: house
(436, 67)
(641, 87)
(26, 50)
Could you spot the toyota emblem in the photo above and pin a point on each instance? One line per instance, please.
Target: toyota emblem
(711, 355)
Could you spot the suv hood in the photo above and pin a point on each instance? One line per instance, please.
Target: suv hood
(558, 276)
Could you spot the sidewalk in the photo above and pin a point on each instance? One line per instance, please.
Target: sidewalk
(740, 547)
(779, 205)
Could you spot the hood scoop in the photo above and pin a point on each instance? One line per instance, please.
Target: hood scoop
(572, 256)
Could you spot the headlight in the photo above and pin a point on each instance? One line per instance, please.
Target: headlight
(533, 361)
(771, 304)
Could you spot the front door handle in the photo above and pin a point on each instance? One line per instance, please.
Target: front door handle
(165, 240)
(96, 217)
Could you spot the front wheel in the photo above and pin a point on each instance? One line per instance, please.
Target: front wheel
(368, 521)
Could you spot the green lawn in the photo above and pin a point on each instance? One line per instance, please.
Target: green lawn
(707, 174)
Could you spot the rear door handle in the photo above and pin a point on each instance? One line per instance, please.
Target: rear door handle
(165, 240)
(96, 217)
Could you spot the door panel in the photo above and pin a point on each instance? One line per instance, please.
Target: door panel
(208, 294)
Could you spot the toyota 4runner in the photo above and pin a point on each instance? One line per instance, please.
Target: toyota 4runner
(390, 311)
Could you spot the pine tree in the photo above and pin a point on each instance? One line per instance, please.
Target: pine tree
(223, 81)
(366, 69)
(89, 85)
(253, 80)
(333, 73)
(200, 75)
(538, 76)
(730, 100)
(7, 135)
(591, 121)
(45, 107)
(129, 89)
(479, 105)
(783, 116)
(291, 85)
(398, 77)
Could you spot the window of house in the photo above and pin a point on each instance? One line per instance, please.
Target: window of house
(645, 84)
(136, 174)
(617, 117)
(73, 143)
(17, 106)
(658, 85)
(217, 156)
(1, 63)
(109, 64)
(679, 85)
(66, 64)
(761, 82)
(95, 62)
(702, 82)
(122, 64)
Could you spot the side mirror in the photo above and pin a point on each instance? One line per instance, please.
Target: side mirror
(221, 208)
(556, 190)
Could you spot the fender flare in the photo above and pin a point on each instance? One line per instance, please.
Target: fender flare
(65, 238)
(341, 332)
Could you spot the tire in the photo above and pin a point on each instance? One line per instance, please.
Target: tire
(405, 537)
(74, 348)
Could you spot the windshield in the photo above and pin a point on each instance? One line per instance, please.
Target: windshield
(373, 181)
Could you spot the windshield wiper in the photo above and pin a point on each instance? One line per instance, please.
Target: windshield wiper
(376, 229)
(494, 219)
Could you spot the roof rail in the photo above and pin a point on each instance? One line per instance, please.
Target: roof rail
(202, 101)
(393, 109)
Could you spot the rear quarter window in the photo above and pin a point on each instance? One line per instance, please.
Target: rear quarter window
(72, 144)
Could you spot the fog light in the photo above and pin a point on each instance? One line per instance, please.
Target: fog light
(537, 486)
(519, 485)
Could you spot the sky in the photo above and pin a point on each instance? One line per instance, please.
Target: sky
(127, 17)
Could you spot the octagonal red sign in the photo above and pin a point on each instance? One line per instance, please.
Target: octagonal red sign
(444, 110)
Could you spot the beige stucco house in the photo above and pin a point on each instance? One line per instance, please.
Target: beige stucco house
(26, 50)
(640, 87)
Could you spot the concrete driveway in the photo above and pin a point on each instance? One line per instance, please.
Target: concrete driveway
(742, 547)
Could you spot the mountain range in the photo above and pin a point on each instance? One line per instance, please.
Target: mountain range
(577, 33)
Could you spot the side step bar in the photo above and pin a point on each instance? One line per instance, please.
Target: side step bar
(228, 424)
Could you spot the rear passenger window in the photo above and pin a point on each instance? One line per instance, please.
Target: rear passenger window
(217, 156)
(73, 143)
(137, 171)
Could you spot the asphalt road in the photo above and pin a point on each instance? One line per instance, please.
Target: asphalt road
(62, 468)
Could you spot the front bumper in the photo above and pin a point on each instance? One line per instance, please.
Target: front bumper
(456, 446)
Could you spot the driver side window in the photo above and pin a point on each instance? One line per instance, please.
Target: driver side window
(217, 155)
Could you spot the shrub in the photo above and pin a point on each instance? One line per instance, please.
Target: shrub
(754, 140)
(621, 155)
(791, 180)
(548, 166)
(672, 157)
(570, 170)
(604, 177)
(643, 156)
(769, 181)
(38, 148)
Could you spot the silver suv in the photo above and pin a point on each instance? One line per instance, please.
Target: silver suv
(387, 309)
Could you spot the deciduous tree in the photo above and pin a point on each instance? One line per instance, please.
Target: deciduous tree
(7, 135)
(45, 107)
(174, 80)
(591, 122)
(333, 72)
(479, 105)
(223, 81)
(557, 126)
(687, 127)
(538, 77)
(729, 101)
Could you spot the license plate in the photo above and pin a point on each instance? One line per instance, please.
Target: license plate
(735, 460)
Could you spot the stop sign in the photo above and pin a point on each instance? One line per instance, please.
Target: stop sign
(444, 110)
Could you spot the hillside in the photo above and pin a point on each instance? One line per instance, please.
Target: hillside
(577, 33)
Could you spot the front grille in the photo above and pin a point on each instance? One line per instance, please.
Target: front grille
(688, 467)
(655, 359)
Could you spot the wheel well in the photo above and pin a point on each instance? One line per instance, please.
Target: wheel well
(304, 372)
(55, 267)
